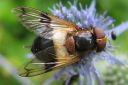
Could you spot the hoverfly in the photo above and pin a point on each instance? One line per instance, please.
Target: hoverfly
(59, 42)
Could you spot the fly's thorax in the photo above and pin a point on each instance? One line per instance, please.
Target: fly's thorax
(84, 41)
(70, 44)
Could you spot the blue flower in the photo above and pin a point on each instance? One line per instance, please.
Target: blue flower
(86, 17)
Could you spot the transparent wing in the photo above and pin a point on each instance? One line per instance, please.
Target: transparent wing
(36, 67)
(42, 23)
(45, 61)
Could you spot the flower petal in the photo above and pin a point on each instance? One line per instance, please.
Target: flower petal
(118, 29)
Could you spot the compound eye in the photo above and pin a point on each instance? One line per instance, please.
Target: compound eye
(113, 35)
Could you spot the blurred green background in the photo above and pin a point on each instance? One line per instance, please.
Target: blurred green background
(13, 36)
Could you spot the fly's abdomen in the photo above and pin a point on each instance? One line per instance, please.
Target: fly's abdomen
(44, 51)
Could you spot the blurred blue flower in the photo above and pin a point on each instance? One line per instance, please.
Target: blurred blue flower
(86, 17)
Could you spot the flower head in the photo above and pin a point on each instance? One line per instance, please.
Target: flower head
(84, 18)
